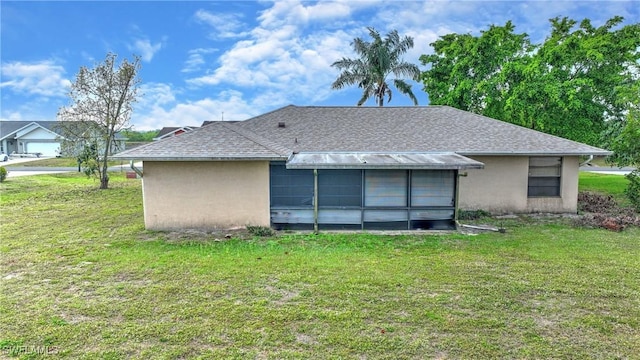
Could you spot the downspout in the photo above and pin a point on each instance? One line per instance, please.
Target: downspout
(586, 162)
(135, 169)
(315, 201)
(457, 195)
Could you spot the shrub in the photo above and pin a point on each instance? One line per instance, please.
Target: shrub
(633, 189)
(3, 173)
(263, 231)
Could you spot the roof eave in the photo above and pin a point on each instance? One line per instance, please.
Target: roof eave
(200, 158)
(385, 167)
(536, 153)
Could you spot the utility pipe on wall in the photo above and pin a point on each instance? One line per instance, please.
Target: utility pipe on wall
(134, 168)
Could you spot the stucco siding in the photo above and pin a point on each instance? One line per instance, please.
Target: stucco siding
(205, 195)
(501, 187)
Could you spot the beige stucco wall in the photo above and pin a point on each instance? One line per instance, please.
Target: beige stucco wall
(205, 195)
(501, 187)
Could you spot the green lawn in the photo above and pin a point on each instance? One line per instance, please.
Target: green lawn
(604, 184)
(81, 276)
(58, 162)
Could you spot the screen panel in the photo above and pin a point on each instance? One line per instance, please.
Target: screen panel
(385, 188)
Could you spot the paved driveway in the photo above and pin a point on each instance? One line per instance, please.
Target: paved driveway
(35, 170)
(613, 170)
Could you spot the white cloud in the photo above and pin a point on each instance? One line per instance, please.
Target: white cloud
(196, 58)
(295, 12)
(153, 94)
(281, 57)
(193, 113)
(225, 25)
(11, 115)
(45, 78)
(144, 48)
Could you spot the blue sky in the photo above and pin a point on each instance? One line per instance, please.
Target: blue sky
(205, 60)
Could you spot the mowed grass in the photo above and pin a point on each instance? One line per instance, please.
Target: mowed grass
(80, 275)
(58, 162)
(605, 184)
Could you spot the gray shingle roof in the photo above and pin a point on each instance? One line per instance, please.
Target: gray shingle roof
(170, 129)
(216, 141)
(10, 127)
(397, 129)
(365, 129)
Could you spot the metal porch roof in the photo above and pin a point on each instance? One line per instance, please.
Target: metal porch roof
(381, 160)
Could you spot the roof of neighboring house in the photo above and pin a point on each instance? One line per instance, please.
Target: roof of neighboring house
(217, 141)
(8, 128)
(207, 122)
(427, 129)
(171, 130)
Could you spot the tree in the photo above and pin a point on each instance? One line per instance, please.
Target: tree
(140, 136)
(476, 73)
(569, 86)
(626, 146)
(376, 61)
(100, 106)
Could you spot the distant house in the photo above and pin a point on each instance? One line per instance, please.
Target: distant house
(167, 132)
(37, 137)
(207, 122)
(355, 168)
(29, 137)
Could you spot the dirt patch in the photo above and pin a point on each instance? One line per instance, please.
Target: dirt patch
(194, 235)
(602, 211)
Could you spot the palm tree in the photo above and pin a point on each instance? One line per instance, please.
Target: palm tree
(376, 61)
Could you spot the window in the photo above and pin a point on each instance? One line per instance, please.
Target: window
(544, 176)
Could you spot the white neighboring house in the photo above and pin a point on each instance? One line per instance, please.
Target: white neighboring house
(35, 137)
(29, 137)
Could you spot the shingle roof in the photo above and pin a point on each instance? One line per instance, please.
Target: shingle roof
(427, 128)
(171, 129)
(216, 141)
(9, 127)
(366, 129)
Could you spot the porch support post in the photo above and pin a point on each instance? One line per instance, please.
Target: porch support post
(457, 195)
(315, 201)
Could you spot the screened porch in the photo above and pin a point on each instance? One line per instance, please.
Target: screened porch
(357, 191)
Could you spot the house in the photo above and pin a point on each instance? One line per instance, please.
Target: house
(167, 132)
(29, 137)
(355, 168)
(207, 122)
(39, 137)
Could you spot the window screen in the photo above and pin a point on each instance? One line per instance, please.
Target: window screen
(385, 188)
(432, 188)
(338, 188)
(544, 176)
(291, 187)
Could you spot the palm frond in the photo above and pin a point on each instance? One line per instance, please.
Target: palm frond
(376, 61)
(405, 88)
